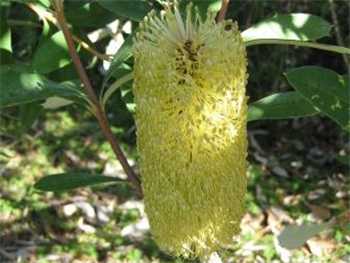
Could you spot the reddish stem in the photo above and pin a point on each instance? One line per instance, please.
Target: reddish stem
(98, 110)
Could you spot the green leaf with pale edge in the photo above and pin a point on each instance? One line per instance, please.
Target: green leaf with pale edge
(5, 31)
(69, 181)
(20, 87)
(133, 9)
(282, 105)
(299, 26)
(51, 54)
(294, 236)
(325, 90)
(53, 103)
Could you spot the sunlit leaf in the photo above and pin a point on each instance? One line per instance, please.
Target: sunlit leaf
(295, 236)
(5, 31)
(204, 6)
(55, 103)
(282, 105)
(51, 54)
(20, 87)
(299, 26)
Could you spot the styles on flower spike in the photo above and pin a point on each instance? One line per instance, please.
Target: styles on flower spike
(191, 109)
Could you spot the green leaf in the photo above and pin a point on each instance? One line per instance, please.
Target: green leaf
(212, 6)
(20, 87)
(280, 106)
(343, 159)
(204, 6)
(28, 114)
(118, 68)
(294, 236)
(135, 10)
(123, 54)
(6, 57)
(128, 98)
(89, 15)
(5, 31)
(69, 181)
(325, 90)
(115, 86)
(51, 54)
(54, 103)
(299, 26)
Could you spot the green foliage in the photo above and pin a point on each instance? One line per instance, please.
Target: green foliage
(20, 86)
(282, 105)
(5, 31)
(325, 90)
(134, 10)
(203, 6)
(54, 48)
(299, 26)
(72, 180)
(90, 14)
(117, 69)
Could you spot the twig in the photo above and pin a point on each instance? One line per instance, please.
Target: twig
(223, 10)
(98, 110)
(337, 31)
(48, 16)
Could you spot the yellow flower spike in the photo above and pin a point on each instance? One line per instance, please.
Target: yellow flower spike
(189, 86)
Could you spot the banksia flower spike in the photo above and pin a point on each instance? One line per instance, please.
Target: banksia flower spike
(189, 86)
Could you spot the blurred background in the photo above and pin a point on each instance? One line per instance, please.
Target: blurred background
(298, 168)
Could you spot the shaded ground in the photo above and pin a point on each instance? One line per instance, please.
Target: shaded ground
(291, 180)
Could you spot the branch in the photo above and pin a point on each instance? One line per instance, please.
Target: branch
(223, 10)
(98, 110)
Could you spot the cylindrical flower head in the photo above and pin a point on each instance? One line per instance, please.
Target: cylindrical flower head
(189, 87)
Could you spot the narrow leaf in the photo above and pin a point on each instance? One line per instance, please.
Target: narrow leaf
(115, 86)
(20, 87)
(53, 103)
(68, 181)
(123, 54)
(325, 90)
(298, 26)
(282, 105)
(295, 236)
(118, 68)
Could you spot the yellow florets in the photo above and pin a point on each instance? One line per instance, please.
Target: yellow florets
(189, 86)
